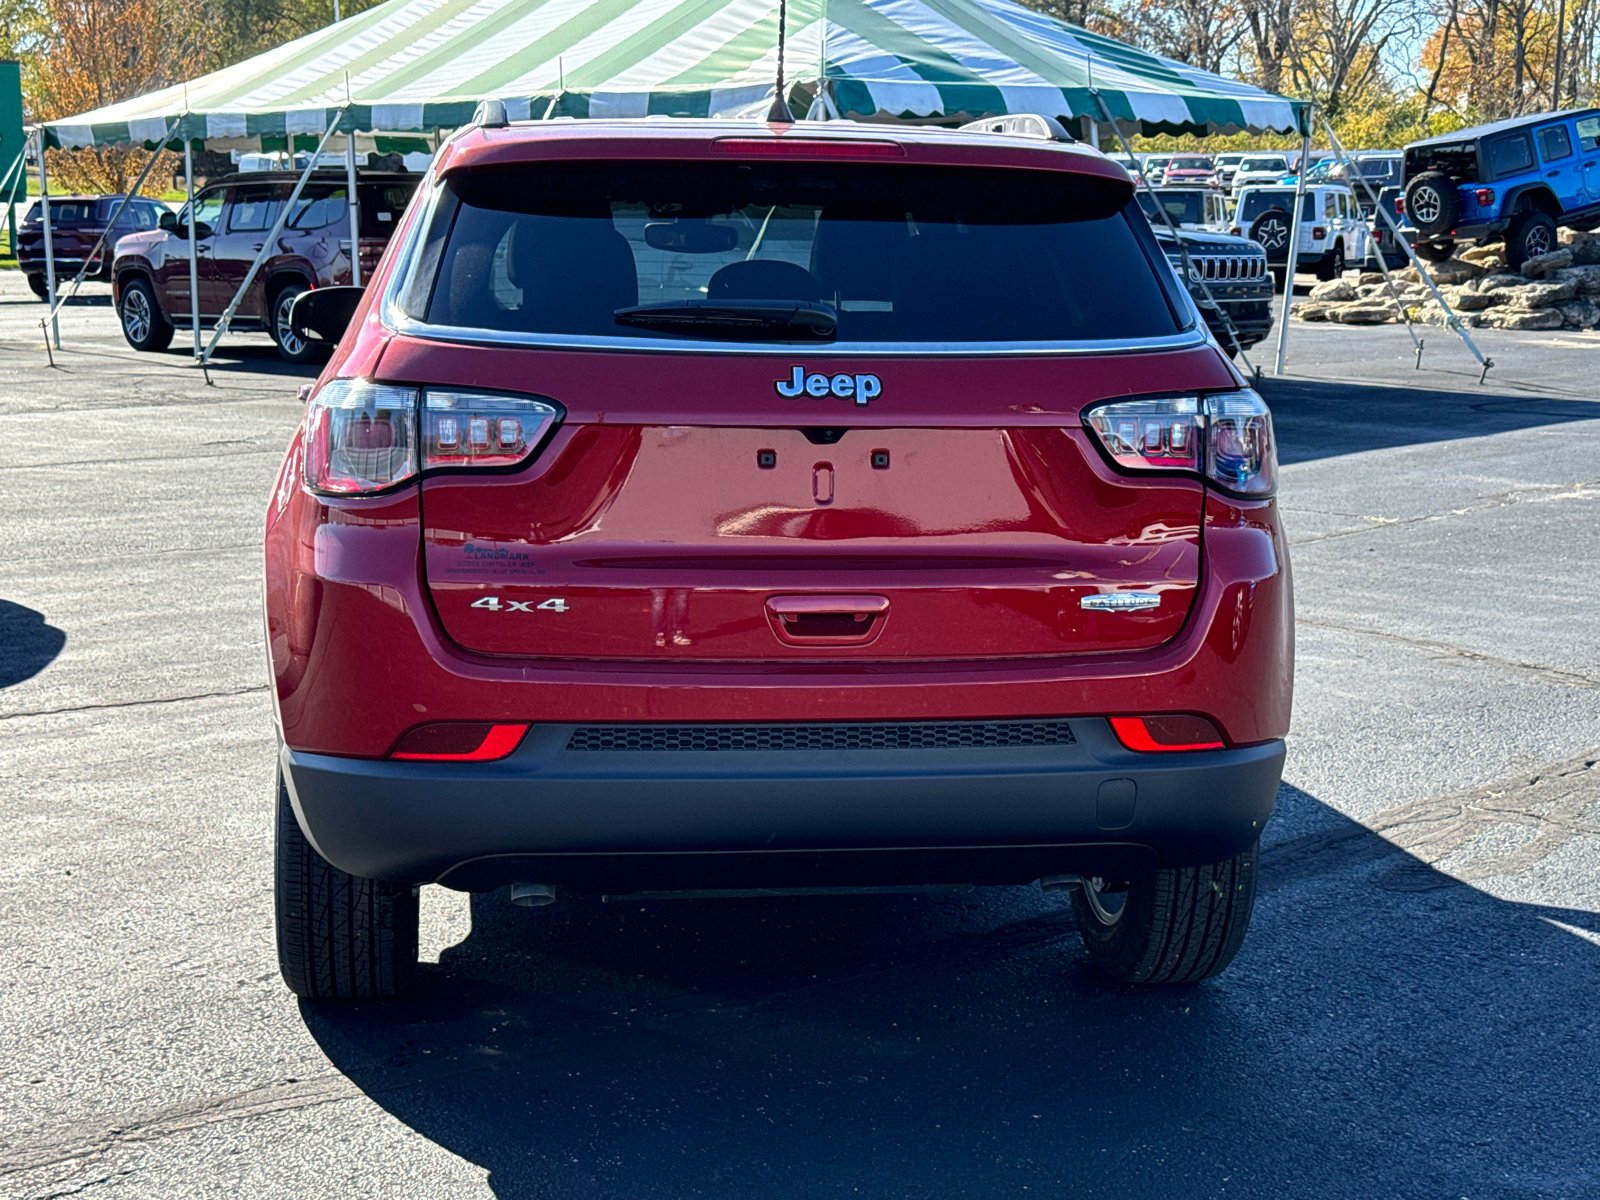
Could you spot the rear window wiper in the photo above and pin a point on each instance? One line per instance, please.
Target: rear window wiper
(799, 320)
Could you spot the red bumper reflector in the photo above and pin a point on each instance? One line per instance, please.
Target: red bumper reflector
(459, 741)
(1166, 733)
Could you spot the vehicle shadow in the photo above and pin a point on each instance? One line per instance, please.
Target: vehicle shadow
(1386, 1032)
(1316, 419)
(28, 644)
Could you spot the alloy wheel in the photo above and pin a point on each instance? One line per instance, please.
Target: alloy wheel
(136, 315)
(291, 342)
(1426, 205)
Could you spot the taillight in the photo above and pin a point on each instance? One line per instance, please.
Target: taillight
(1168, 732)
(1318, 233)
(1225, 438)
(482, 429)
(1399, 206)
(459, 741)
(787, 145)
(360, 437)
(1485, 197)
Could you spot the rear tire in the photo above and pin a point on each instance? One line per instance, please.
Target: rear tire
(144, 325)
(1531, 234)
(40, 286)
(339, 937)
(291, 346)
(1332, 266)
(1180, 925)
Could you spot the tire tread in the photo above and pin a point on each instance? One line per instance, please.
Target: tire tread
(340, 937)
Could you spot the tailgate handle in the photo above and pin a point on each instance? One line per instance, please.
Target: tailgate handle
(827, 620)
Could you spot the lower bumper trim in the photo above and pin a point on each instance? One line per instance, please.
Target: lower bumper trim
(623, 821)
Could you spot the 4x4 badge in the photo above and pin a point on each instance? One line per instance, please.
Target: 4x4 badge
(863, 389)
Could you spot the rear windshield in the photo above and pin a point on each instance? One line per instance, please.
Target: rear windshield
(65, 212)
(894, 253)
(1264, 164)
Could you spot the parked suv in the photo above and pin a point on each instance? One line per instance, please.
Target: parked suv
(698, 505)
(1333, 234)
(76, 223)
(232, 216)
(1518, 179)
(1234, 272)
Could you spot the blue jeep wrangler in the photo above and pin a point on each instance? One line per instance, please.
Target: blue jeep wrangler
(1518, 179)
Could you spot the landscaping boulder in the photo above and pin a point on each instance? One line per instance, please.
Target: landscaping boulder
(1543, 295)
(1572, 237)
(1501, 282)
(1455, 270)
(1587, 278)
(1541, 265)
(1311, 312)
(1509, 318)
(1363, 312)
(1468, 302)
(1581, 314)
(1488, 257)
(1368, 278)
(1333, 290)
(1587, 253)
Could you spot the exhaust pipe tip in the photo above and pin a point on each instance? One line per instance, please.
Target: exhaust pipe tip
(532, 895)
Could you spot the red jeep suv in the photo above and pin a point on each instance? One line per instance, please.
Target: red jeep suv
(696, 505)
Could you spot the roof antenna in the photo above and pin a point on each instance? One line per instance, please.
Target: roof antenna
(779, 113)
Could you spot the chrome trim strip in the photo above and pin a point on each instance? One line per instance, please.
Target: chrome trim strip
(397, 320)
(402, 323)
(1120, 601)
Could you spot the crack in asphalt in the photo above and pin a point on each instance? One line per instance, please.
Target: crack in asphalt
(117, 462)
(1544, 494)
(1446, 650)
(51, 712)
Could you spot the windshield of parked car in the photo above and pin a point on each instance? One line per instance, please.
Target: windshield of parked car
(1183, 207)
(1256, 203)
(1264, 164)
(1189, 164)
(886, 252)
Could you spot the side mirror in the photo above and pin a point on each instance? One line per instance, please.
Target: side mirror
(168, 221)
(324, 314)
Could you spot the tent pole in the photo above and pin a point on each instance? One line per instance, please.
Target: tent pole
(49, 246)
(1183, 250)
(71, 289)
(1450, 317)
(352, 204)
(194, 248)
(267, 243)
(1292, 254)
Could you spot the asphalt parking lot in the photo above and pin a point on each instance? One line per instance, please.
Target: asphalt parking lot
(1414, 1013)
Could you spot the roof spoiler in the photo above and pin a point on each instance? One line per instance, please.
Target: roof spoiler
(1030, 125)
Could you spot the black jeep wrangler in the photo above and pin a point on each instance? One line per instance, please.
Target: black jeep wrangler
(1518, 179)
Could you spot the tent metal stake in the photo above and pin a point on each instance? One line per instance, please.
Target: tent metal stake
(194, 248)
(1291, 254)
(266, 246)
(49, 252)
(1451, 320)
(1183, 250)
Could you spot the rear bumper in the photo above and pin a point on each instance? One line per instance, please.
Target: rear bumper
(1475, 232)
(620, 821)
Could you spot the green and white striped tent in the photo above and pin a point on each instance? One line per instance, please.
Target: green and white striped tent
(418, 66)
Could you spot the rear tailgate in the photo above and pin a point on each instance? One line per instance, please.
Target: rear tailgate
(969, 524)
